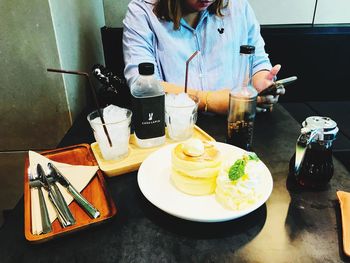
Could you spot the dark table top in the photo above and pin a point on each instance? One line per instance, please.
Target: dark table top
(292, 226)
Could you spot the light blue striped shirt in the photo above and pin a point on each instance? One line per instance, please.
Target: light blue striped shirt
(147, 38)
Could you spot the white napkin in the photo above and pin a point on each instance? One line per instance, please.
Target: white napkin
(78, 175)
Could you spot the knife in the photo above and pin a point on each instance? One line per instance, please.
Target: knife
(61, 200)
(53, 198)
(89, 208)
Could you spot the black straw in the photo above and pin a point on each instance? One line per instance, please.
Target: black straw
(314, 15)
(93, 93)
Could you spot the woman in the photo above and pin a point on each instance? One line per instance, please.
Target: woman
(168, 32)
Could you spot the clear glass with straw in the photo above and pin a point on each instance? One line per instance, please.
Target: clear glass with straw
(117, 123)
(181, 111)
(242, 103)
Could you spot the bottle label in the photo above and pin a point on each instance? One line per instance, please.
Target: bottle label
(148, 117)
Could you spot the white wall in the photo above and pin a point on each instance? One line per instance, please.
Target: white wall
(268, 12)
(332, 11)
(272, 12)
(279, 12)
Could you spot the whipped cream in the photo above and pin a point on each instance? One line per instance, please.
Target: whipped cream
(243, 192)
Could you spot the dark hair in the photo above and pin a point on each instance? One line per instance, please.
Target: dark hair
(172, 10)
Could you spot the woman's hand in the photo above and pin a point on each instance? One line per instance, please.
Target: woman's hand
(262, 80)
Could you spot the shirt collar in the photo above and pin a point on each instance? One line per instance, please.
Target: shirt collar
(202, 16)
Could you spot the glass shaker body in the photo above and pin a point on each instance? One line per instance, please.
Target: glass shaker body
(242, 104)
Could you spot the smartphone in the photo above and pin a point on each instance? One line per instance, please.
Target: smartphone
(271, 90)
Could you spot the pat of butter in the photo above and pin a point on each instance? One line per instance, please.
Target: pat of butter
(193, 147)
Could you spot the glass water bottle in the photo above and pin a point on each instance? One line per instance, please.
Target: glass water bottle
(148, 102)
(242, 104)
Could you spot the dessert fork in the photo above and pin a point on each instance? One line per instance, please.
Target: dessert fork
(46, 225)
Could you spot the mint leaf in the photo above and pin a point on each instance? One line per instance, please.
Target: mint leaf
(237, 170)
(253, 157)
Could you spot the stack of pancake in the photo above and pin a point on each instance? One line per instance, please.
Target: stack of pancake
(195, 166)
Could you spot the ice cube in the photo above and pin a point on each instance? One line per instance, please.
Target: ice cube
(180, 104)
(119, 138)
(183, 100)
(114, 113)
(118, 133)
(117, 125)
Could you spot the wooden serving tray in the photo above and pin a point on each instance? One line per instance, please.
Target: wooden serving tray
(95, 192)
(136, 155)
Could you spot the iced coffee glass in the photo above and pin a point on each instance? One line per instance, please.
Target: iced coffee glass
(117, 123)
(180, 115)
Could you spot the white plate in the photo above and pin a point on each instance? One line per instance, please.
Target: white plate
(154, 181)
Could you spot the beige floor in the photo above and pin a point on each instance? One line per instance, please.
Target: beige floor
(11, 180)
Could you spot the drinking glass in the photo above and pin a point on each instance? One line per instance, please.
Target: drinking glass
(118, 131)
(180, 117)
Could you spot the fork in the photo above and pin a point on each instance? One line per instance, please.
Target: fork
(46, 225)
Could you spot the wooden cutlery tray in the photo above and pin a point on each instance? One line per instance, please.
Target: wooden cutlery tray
(95, 192)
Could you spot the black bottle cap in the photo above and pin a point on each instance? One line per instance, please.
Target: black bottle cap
(146, 68)
(247, 49)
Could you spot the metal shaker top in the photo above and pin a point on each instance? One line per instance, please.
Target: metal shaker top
(324, 125)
